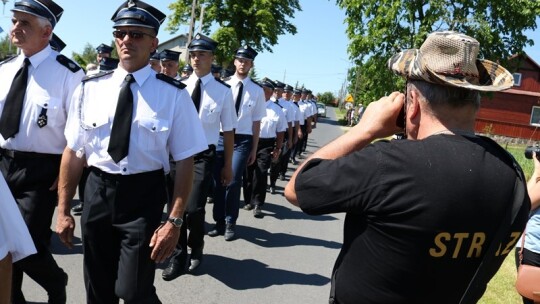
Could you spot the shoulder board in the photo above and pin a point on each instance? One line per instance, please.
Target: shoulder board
(8, 59)
(277, 103)
(96, 75)
(255, 82)
(68, 63)
(171, 81)
(222, 82)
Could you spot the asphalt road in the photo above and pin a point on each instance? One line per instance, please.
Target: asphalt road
(285, 257)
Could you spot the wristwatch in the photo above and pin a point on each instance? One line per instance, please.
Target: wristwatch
(176, 221)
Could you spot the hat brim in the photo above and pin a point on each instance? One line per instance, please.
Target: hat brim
(492, 76)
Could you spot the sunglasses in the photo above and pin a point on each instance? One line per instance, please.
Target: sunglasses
(132, 34)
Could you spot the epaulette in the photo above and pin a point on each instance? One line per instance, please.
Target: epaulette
(8, 59)
(222, 82)
(257, 83)
(96, 75)
(68, 63)
(170, 80)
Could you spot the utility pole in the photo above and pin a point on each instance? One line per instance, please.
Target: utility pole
(191, 24)
(201, 17)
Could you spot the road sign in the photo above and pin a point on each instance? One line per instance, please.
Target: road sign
(349, 98)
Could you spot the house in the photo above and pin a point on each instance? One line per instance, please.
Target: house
(514, 112)
(178, 44)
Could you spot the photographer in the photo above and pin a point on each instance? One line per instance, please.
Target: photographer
(531, 248)
(421, 212)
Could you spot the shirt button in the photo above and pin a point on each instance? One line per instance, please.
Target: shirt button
(46, 104)
(94, 124)
(125, 169)
(153, 128)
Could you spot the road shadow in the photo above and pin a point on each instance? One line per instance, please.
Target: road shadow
(252, 274)
(284, 213)
(57, 247)
(269, 239)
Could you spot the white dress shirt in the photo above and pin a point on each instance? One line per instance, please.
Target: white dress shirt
(50, 86)
(253, 105)
(217, 111)
(274, 121)
(164, 122)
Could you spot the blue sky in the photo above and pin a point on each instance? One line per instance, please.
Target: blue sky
(315, 57)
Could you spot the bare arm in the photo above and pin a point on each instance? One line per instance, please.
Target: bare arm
(256, 129)
(379, 122)
(166, 236)
(228, 145)
(71, 168)
(533, 185)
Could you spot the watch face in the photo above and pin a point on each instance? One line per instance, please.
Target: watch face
(176, 221)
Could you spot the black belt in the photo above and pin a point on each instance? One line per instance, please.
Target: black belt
(267, 139)
(26, 155)
(131, 177)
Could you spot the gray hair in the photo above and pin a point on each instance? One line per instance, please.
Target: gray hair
(44, 22)
(437, 95)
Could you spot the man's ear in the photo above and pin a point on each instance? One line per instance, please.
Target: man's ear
(413, 106)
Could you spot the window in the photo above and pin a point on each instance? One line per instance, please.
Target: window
(535, 116)
(517, 79)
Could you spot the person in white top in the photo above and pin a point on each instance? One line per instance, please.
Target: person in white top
(35, 93)
(15, 240)
(250, 107)
(305, 124)
(169, 63)
(126, 138)
(214, 101)
(273, 127)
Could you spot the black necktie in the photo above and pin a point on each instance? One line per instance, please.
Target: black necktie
(11, 115)
(196, 94)
(119, 141)
(239, 97)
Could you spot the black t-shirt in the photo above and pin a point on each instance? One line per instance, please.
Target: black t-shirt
(420, 215)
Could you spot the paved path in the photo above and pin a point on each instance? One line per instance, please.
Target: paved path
(286, 257)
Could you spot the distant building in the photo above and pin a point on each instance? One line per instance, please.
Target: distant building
(178, 44)
(514, 112)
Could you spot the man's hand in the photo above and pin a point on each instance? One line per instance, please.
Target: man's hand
(226, 175)
(252, 157)
(65, 225)
(379, 119)
(164, 242)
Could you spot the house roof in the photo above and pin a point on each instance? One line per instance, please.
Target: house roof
(526, 56)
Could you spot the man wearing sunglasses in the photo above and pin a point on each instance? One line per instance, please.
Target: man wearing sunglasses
(125, 124)
(35, 94)
(421, 213)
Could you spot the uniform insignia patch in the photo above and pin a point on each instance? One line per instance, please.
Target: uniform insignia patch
(68, 63)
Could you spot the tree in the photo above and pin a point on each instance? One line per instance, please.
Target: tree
(6, 48)
(326, 98)
(256, 22)
(378, 29)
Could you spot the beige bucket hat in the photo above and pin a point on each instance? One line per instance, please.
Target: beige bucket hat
(450, 58)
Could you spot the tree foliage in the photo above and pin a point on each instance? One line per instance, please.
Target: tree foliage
(256, 22)
(380, 28)
(326, 98)
(6, 49)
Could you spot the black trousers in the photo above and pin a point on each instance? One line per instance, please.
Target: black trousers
(195, 211)
(297, 149)
(276, 168)
(119, 218)
(529, 258)
(256, 175)
(29, 180)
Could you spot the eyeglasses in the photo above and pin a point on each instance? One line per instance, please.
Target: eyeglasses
(132, 34)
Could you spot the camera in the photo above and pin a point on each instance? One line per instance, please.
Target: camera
(529, 151)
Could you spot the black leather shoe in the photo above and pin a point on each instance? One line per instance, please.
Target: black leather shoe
(219, 229)
(229, 232)
(196, 258)
(248, 207)
(257, 212)
(78, 209)
(282, 177)
(176, 268)
(272, 190)
(209, 200)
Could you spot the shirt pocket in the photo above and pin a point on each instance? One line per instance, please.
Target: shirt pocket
(97, 130)
(210, 113)
(51, 107)
(153, 133)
